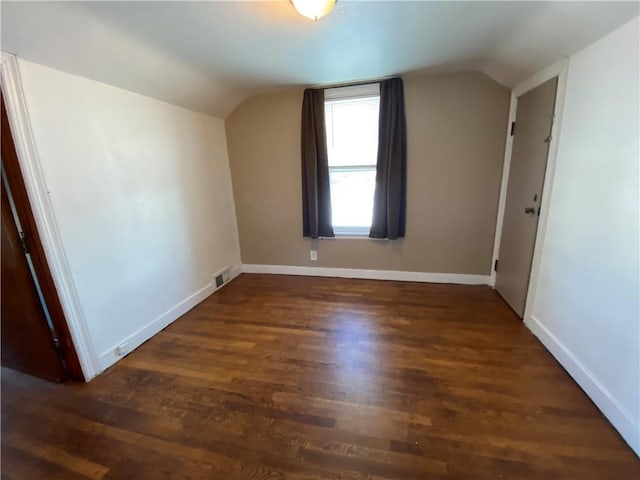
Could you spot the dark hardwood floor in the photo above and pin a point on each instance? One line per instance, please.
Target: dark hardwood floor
(278, 377)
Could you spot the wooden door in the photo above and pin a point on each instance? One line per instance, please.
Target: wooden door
(534, 119)
(26, 337)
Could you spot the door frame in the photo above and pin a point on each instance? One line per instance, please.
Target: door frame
(558, 69)
(37, 195)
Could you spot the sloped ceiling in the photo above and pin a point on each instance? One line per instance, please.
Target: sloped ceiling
(209, 56)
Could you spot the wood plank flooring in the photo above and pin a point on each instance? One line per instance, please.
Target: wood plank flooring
(277, 377)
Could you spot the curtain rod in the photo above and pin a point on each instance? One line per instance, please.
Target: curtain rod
(352, 84)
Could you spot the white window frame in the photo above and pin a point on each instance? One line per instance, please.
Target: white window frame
(366, 90)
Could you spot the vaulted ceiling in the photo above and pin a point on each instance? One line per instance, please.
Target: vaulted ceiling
(209, 56)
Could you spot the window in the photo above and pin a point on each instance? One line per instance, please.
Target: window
(352, 145)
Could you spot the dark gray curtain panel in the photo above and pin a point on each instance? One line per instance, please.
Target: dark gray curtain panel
(389, 203)
(316, 194)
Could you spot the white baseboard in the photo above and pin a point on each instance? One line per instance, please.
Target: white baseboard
(136, 339)
(232, 273)
(598, 393)
(459, 278)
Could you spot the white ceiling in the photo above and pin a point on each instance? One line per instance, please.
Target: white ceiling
(209, 56)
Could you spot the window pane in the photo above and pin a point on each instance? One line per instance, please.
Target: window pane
(352, 131)
(352, 196)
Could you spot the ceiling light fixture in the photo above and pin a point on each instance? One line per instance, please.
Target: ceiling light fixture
(313, 9)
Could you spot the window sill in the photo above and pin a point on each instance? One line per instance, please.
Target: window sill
(352, 236)
(351, 231)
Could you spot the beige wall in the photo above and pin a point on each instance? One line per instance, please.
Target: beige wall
(455, 132)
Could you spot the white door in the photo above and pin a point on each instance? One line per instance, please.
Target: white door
(532, 134)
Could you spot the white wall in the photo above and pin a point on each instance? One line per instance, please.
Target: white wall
(141, 194)
(586, 303)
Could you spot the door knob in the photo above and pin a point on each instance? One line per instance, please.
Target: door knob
(529, 210)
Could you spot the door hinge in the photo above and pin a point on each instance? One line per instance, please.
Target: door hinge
(495, 265)
(23, 242)
(513, 128)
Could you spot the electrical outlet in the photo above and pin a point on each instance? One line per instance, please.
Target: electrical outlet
(122, 349)
(313, 254)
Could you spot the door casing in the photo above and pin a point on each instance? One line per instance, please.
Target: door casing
(558, 69)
